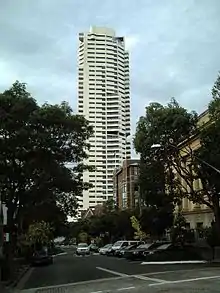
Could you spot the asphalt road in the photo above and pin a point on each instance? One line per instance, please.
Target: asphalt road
(100, 274)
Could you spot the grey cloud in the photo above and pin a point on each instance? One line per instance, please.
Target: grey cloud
(177, 52)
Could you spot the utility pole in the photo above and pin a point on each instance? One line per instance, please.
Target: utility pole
(1, 239)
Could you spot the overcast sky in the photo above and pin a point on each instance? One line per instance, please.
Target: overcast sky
(174, 47)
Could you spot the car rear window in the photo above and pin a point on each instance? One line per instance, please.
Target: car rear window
(118, 243)
(145, 245)
(164, 246)
(82, 245)
(108, 245)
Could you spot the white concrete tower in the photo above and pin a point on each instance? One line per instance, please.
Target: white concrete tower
(104, 99)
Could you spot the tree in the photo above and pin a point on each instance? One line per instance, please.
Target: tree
(39, 234)
(178, 230)
(157, 212)
(48, 212)
(161, 125)
(191, 166)
(109, 206)
(36, 145)
(138, 234)
(209, 151)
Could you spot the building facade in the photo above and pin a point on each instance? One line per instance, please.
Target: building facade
(104, 100)
(125, 184)
(196, 215)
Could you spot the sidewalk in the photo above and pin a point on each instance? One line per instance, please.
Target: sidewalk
(3, 289)
(20, 269)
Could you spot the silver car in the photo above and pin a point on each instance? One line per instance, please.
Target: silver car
(103, 250)
(82, 249)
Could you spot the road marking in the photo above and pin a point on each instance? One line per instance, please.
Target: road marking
(123, 289)
(185, 281)
(112, 272)
(140, 277)
(175, 271)
(73, 284)
(173, 262)
(120, 289)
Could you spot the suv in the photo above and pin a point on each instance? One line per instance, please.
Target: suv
(82, 249)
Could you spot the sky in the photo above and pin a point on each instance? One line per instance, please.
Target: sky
(174, 47)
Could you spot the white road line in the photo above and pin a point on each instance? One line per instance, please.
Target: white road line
(185, 281)
(179, 271)
(123, 289)
(74, 284)
(140, 277)
(173, 262)
(112, 272)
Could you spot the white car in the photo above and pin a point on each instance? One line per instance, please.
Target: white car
(82, 249)
(103, 250)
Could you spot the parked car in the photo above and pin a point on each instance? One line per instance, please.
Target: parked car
(140, 251)
(122, 252)
(93, 247)
(121, 244)
(41, 257)
(103, 250)
(171, 252)
(82, 249)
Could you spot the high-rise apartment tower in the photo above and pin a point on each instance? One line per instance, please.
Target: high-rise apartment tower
(104, 100)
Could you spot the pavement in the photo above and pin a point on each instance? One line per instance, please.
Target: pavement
(101, 274)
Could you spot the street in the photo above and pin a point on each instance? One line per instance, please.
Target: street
(101, 274)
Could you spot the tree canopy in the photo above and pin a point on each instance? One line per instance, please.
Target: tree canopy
(41, 153)
(164, 169)
(161, 125)
(209, 151)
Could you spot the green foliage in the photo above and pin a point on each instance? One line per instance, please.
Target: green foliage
(37, 143)
(138, 234)
(210, 152)
(178, 230)
(109, 226)
(163, 171)
(83, 237)
(109, 206)
(168, 126)
(161, 124)
(39, 233)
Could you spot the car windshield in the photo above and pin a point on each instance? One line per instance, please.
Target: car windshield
(130, 246)
(107, 246)
(164, 246)
(40, 253)
(83, 245)
(118, 243)
(145, 245)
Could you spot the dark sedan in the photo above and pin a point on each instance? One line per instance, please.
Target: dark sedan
(139, 252)
(41, 257)
(171, 252)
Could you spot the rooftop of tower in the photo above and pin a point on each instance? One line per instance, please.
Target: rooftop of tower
(102, 31)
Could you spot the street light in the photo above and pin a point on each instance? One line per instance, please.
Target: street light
(157, 146)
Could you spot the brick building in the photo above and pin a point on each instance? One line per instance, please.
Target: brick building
(125, 184)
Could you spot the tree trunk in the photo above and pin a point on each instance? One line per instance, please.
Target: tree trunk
(216, 209)
(9, 246)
